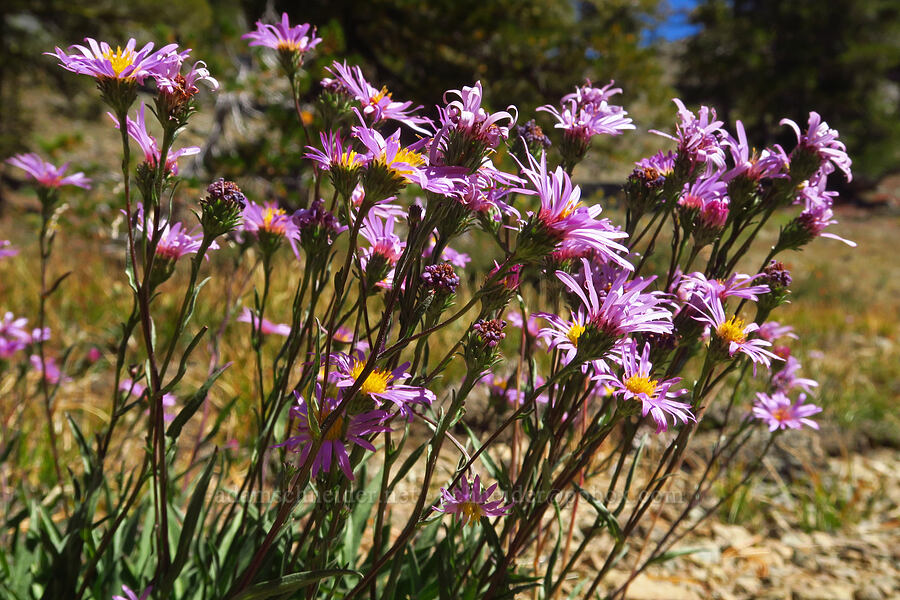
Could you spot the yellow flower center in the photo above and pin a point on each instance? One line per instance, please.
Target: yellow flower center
(288, 46)
(375, 383)
(349, 159)
(781, 414)
(472, 512)
(270, 216)
(406, 156)
(380, 95)
(120, 59)
(637, 384)
(732, 330)
(575, 332)
(569, 209)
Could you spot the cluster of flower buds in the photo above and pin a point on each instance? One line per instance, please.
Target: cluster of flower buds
(221, 208)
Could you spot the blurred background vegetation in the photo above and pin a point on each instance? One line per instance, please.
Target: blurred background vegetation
(755, 60)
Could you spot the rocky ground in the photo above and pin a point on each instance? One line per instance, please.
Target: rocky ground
(779, 561)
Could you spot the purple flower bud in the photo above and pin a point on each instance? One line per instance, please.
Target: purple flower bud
(490, 331)
(442, 279)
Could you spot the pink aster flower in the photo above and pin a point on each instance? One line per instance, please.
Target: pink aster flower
(346, 430)
(14, 335)
(380, 385)
(131, 595)
(46, 173)
(822, 141)
(299, 38)
(99, 60)
(818, 214)
(661, 164)
(138, 390)
(778, 412)
(470, 502)
(7, 249)
(137, 129)
(736, 286)
(49, 369)
(169, 79)
(624, 309)
(582, 123)
(561, 217)
(467, 116)
(698, 136)
(656, 397)
(732, 332)
(377, 105)
(267, 326)
(335, 155)
(175, 240)
(269, 223)
(786, 378)
(773, 330)
(766, 164)
(401, 164)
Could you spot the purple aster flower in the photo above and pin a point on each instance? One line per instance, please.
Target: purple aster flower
(377, 105)
(346, 430)
(137, 129)
(698, 137)
(656, 397)
(7, 249)
(778, 412)
(737, 286)
(768, 163)
(99, 60)
(335, 154)
(818, 214)
(392, 166)
(772, 330)
(786, 378)
(732, 332)
(582, 124)
(130, 595)
(267, 326)
(623, 310)
(175, 240)
(178, 88)
(470, 502)
(660, 164)
(385, 248)
(696, 195)
(822, 142)
(270, 224)
(562, 222)
(468, 117)
(46, 173)
(14, 335)
(380, 385)
(49, 369)
(299, 38)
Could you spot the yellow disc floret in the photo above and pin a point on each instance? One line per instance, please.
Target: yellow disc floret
(732, 330)
(375, 383)
(271, 221)
(637, 384)
(470, 512)
(575, 332)
(120, 59)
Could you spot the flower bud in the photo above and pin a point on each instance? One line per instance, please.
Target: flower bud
(221, 208)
